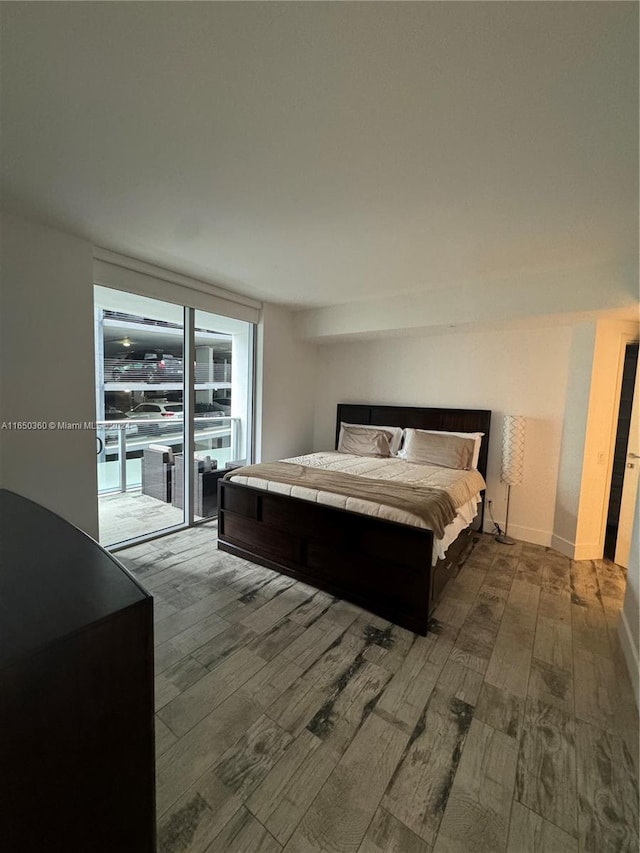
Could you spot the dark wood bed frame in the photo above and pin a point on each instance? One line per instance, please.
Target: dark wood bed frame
(380, 565)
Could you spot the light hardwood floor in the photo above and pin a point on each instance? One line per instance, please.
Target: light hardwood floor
(126, 516)
(132, 514)
(290, 721)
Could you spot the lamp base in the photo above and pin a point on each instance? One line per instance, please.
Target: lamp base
(503, 539)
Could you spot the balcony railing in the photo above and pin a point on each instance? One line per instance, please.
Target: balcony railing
(120, 370)
(117, 438)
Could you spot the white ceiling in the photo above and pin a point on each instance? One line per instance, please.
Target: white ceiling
(320, 153)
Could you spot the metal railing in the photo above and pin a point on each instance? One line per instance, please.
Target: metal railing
(118, 438)
(121, 370)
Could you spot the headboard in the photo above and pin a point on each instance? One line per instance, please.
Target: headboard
(453, 420)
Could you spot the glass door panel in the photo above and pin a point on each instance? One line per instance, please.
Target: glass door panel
(139, 414)
(223, 397)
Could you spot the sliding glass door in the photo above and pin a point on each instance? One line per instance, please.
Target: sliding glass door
(172, 383)
(222, 400)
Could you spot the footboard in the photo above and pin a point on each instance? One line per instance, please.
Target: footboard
(380, 565)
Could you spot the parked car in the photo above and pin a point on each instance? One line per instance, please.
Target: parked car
(147, 365)
(111, 433)
(215, 408)
(172, 412)
(225, 403)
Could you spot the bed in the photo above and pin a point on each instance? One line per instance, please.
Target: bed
(392, 569)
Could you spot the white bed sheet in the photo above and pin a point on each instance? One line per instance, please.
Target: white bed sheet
(374, 468)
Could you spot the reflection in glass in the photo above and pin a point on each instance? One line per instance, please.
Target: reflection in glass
(222, 407)
(140, 413)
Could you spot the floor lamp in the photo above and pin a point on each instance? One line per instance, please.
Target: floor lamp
(512, 463)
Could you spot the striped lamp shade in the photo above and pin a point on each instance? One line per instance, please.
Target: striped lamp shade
(513, 431)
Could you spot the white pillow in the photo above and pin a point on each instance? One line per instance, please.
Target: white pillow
(396, 433)
(477, 436)
(367, 442)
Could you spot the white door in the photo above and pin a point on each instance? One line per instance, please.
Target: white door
(630, 483)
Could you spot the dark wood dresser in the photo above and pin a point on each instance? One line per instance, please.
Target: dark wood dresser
(77, 769)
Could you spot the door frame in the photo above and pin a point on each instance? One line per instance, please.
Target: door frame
(629, 492)
(626, 338)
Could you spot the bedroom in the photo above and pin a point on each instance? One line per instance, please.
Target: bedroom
(529, 235)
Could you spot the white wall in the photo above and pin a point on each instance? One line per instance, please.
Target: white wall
(588, 439)
(47, 369)
(541, 293)
(510, 372)
(604, 404)
(573, 438)
(629, 624)
(47, 373)
(286, 381)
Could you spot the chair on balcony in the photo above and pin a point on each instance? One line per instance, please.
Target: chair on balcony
(205, 486)
(157, 472)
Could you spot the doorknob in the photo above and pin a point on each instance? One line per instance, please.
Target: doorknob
(634, 455)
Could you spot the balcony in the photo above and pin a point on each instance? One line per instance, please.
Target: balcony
(125, 511)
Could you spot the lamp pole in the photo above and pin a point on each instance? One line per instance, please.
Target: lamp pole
(513, 432)
(502, 537)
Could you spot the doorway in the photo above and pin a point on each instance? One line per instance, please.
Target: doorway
(173, 383)
(624, 477)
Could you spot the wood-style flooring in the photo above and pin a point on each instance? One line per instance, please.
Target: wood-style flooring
(127, 515)
(290, 721)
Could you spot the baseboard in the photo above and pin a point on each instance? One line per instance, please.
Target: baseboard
(563, 546)
(524, 534)
(589, 551)
(630, 655)
(530, 534)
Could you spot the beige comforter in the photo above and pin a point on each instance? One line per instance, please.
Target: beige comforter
(435, 504)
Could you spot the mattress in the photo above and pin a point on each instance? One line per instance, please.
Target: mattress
(381, 469)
